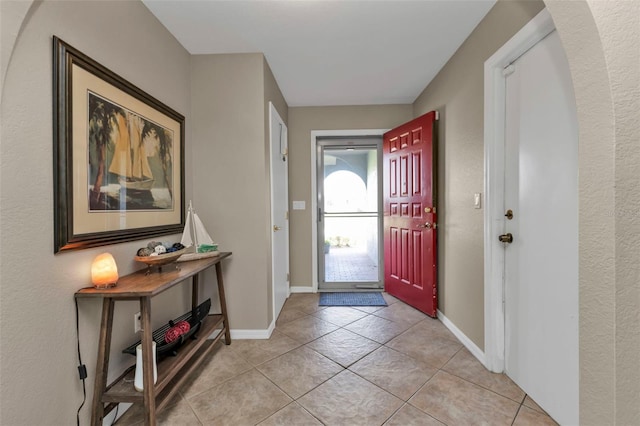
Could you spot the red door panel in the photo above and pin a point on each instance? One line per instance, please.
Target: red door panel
(410, 213)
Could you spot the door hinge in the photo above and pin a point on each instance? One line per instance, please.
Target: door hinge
(508, 70)
(288, 279)
(437, 115)
(286, 215)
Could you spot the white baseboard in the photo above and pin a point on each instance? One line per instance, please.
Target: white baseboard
(300, 289)
(253, 334)
(472, 347)
(248, 334)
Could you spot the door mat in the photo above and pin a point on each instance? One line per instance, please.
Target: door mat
(352, 299)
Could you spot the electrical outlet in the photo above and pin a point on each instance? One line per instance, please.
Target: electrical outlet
(137, 322)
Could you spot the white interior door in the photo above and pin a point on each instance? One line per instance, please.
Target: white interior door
(541, 264)
(279, 211)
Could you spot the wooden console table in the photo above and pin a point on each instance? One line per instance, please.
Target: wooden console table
(172, 371)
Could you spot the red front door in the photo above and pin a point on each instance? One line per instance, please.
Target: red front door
(410, 261)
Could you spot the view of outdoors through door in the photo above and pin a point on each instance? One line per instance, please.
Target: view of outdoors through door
(349, 215)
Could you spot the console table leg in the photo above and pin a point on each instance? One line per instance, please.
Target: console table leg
(223, 304)
(102, 364)
(149, 394)
(194, 291)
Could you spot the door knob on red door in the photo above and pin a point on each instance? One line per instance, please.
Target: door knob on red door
(506, 238)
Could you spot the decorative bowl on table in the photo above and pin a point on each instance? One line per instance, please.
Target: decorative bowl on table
(158, 254)
(160, 259)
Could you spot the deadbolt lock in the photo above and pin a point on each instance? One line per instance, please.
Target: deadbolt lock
(509, 214)
(430, 210)
(506, 238)
(428, 225)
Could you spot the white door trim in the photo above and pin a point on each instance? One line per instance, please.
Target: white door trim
(273, 114)
(494, 122)
(315, 134)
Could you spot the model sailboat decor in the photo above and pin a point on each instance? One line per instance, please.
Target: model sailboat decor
(196, 239)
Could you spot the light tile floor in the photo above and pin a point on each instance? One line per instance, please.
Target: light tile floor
(347, 264)
(347, 366)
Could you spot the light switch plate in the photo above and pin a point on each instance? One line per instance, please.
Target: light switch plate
(477, 200)
(299, 205)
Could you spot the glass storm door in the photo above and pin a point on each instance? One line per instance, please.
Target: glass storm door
(349, 221)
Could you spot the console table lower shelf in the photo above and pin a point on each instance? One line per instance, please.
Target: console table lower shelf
(173, 371)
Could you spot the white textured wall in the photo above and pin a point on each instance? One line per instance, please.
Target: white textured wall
(38, 365)
(12, 16)
(619, 25)
(601, 39)
(596, 238)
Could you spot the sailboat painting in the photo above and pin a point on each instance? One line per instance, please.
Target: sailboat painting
(196, 239)
(130, 159)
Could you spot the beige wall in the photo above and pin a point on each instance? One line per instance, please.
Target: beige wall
(12, 17)
(40, 383)
(231, 164)
(273, 94)
(302, 120)
(457, 92)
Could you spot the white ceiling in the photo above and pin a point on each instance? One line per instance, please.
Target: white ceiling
(340, 52)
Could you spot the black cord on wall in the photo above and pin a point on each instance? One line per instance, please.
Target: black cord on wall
(115, 417)
(82, 369)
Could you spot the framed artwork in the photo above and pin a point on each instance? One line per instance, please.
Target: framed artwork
(118, 157)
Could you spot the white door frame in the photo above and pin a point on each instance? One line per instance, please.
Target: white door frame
(315, 134)
(494, 141)
(274, 116)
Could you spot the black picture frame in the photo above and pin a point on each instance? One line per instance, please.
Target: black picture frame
(100, 120)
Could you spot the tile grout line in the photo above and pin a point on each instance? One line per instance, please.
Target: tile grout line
(347, 368)
(438, 369)
(369, 314)
(516, 416)
(404, 402)
(343, 368)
